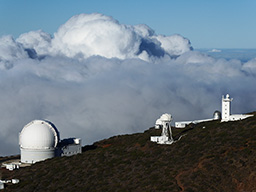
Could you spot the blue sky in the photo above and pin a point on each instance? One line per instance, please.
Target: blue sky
(207, 23)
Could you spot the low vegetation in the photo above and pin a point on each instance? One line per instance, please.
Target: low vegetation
(210, 156)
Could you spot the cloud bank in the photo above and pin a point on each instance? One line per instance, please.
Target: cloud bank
(84, 35)
(95, 78)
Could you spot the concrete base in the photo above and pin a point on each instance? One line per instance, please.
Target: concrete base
(35, 155)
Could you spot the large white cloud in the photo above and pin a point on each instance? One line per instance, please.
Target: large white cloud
(95, 34)
(36, 40)
(88, 35)
(174, 45)
(102, 86)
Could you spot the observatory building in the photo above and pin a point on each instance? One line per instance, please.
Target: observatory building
(182, 124)
(224, 115)
(164, 123)
(226, 111)
(40, 140)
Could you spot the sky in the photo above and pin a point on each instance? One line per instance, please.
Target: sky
(208, 24)
(96, 75)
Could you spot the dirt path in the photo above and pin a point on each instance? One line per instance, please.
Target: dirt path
(179, 181)
(196, 168)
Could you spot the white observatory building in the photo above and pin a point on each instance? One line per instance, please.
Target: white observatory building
(183, 124)
(224, 115)
(40, 140)
(164, 123)
(226, 111)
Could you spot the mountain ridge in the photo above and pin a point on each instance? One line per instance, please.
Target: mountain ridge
(210, 156)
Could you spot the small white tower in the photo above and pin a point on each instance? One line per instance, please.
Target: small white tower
(226, 112)
(165, 123)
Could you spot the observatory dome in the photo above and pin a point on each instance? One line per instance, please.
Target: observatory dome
(158, 122)
(217, 115)
(39, 134)
(166, 117)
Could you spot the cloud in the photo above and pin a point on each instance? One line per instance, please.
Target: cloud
(38, 41)
(118, 81)
(250, 67)
(88, 35)
(95, 34)
(10, 51)
(174, 45)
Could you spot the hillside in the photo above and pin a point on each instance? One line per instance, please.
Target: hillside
(211, 156)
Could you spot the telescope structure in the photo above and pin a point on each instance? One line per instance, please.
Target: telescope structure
(164, 123)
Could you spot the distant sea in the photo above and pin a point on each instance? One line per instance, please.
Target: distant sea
(243, 55)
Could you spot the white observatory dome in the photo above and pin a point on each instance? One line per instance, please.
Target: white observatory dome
(217, 115)
(39, 134)
(158, 123)
(166, 117)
